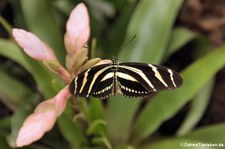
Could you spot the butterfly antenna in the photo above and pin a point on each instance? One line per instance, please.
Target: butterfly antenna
(126, 43)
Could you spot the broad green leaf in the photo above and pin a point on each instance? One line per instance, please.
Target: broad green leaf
(96, 109)
(179, 37)
(209, 135)
(41, 21)
(166, 104)
(71, 132)
(152, 23)
(198, 107)
(94, 126)
(152, 27)
(97, 124)
(41, 75)
(12, 92)
(119, 117)
(92, 109)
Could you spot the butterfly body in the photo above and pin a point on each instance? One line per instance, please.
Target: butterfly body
(128, 78)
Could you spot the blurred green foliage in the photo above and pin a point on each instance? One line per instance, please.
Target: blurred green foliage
(121, 123)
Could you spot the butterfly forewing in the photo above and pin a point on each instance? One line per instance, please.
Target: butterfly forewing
(89, 82)
(145, 79)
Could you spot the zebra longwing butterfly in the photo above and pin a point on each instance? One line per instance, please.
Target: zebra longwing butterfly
(128, 78)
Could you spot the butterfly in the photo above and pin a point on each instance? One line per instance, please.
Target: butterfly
(130, 79)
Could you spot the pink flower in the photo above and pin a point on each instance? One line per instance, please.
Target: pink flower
(38, 50)
(77, 29)
(33, 46)
(76, 37)
(34, 127)
(43, 118)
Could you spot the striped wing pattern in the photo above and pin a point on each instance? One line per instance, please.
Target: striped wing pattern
(129, 78)
(145, 79)
(95, 82)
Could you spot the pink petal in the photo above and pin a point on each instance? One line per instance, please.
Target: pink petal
(57, 103)
(43, 118)
(61, 100)
(78, 30)
(33, 46)
(58, 69)
(35, 126)
(45, 106)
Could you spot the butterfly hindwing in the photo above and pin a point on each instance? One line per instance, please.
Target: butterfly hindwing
(131, 89)
(105, 87)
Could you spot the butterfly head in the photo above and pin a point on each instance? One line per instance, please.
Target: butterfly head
(114, 60)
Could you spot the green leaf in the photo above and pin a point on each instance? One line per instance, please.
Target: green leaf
(12, 92)
(71, 131)
(64, 6)
(179, 37)
(94, 126)
(115, 40)
(210, 135)
(152, 27)
(152, 22)
(165, 104)
(96, 118)
(5, 24)
(41, 75)
(96, 110)
(41, 21)
(5, 125)
(12, 51)
(119, 117)
(101, 141)
(3, 143)
(198, 107)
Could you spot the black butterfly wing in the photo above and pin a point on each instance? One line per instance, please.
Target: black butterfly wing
(140, 79)
(105, 86)
(130, 82)
(95, 81)
(130, 79)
